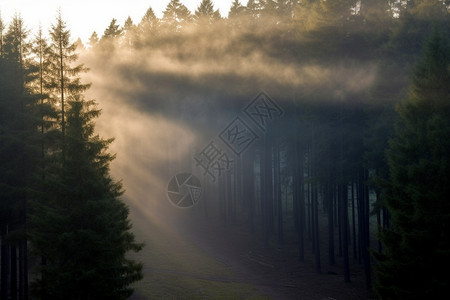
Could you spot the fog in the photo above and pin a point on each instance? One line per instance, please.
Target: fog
(165, 100)
(165, 95)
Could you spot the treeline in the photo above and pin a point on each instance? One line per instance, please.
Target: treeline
(338, 69)
(63, 225)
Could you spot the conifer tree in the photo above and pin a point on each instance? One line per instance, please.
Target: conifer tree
(205, 13)
(112, 30)
(64, 81)
(149, 22)
(19, 157)
(236, 9)
(417, 246)
(40, 86)
(147, 28)
(80, 225)
(236, 14)
(176, 16)
(2, 28)
(128, 32)
(93, 40)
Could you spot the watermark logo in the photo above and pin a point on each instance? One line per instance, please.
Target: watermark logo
(262, 110)
(238, 136)
(184, 190)
(213, 160)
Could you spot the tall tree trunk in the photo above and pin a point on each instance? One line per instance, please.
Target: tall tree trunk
(23, 258)
(267, 189)
(315, 204)
(330, 198)
(355, 251)
(61, 70)
(363, 205)
(344, 225)
(299, 197)
(5, 259)
(249, 187)
(315, 229)
(277, 194)
(223, 201)
(309, 196)
(13, 250)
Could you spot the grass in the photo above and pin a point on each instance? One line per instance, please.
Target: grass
(175, 268)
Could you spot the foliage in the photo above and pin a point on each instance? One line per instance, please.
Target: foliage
(418, 187)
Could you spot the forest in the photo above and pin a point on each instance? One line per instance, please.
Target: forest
(289, 150)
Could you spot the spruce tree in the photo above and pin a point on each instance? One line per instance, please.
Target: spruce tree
(93, 40)
(128, 33)
(112, 30)
(236, 9)
(417, 246)
(19, 156)
(149, 22)
(2, 28)
(175, 16)
(64, 79)
(80, 225)
(147, 28)
(205, 13)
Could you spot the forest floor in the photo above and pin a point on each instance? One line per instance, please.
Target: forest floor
(205, 260)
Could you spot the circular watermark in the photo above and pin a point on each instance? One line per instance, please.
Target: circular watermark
(184, 190)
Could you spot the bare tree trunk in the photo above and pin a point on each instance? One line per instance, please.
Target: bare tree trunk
(330, 200)
(299, 197)
(278, 198)
(355, 251)
(363, 205)
(266, 188)
(249, 187)
(314, 205)
(344, 226)
(13, 250)
(5, 259)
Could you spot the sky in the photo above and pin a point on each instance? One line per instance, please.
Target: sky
(85, 16)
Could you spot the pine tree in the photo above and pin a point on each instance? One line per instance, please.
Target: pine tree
(128, 25)
(236, 9)
(40, 86)
(112, 31)
(147, 28)
(16, 48)
(176, 16)
(149, 22)
(64, 81)
(236, 14)
(417, 247)
(19, 157)
(93, 40)
(80, 225)
(128, 32)
(205, 13)
(2, 28)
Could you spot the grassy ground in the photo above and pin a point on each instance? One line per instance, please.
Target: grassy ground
(175, 268)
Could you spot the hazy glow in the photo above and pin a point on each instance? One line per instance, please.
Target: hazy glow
(85, 16)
